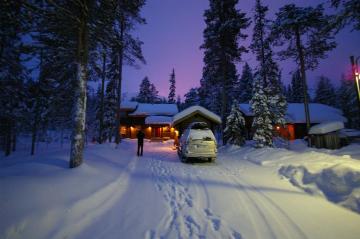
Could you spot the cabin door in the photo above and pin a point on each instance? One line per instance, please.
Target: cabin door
(157, 132)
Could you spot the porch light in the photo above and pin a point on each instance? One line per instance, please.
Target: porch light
(277, 127)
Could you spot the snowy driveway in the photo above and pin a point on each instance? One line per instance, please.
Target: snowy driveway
(119, 195)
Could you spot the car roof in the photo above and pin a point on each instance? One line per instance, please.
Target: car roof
(198, 125)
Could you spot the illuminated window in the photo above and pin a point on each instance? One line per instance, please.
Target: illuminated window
(123, 130)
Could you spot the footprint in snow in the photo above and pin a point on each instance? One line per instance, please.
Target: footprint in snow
(150, 234)
(191, 224)
(216, 222)
(236, 235)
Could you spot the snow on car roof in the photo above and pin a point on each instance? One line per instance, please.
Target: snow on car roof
(155, 109)
(295, 113)
(188, 112)
(201, 134)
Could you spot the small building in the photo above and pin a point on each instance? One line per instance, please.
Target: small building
(295, 127)
(327, 135)
(154, 119)
(195, 114)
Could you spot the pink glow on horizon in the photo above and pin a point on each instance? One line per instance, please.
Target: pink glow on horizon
(173, 35)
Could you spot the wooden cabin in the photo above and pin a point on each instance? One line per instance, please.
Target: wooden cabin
(295, 127)
(154, 119)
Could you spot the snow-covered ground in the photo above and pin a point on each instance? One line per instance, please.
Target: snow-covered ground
(247, 193)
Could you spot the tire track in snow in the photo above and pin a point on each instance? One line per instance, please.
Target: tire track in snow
(285, 223)
(267, 209)
(219, 225)
(185, 195)
(82, 213)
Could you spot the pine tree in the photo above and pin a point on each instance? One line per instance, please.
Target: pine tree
(235, 126)
(297, 88)
(224, 25)
(110, 103)
(154, 95)
(262, 117)
(268, 70)
(99, 70)
(289, 94)
(171, 97)
(191, 98)
(348, 13)
(14, 25)
(243, 90)
(40, 96)
(179, 103)
(347, 102)
(325, 92)
(147, 92)
(304, 30)
(126, 47)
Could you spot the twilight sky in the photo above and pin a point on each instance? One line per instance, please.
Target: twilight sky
(173, 35)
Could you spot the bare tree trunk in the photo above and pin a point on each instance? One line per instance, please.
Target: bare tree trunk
(37, 110)
(33, 137)
(121, 54)
(78, 134)
(14, 139)
(8, 137)
(62, 137)
(101, 126)
(303, 78)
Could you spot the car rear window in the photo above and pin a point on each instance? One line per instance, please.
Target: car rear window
(202, 134)
(199, 125)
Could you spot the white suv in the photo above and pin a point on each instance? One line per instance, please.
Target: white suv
(198, 141)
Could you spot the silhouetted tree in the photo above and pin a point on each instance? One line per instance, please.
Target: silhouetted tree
(302, 28)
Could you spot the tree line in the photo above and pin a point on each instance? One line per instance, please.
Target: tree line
(302, 34)
(49, 51)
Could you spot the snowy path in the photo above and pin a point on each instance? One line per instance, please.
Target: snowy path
(118, 195)
(190, 212)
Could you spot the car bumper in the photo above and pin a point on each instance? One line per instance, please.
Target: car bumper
(199, 155)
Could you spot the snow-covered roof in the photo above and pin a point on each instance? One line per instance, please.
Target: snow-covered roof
(326, 127)
(188, 112)
(128, 105)
(155, 109)
(319, 113)
(246, 109)
(155, 119)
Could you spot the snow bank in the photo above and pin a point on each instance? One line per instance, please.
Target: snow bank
(339, 183)
(334, 175)
(326, 127)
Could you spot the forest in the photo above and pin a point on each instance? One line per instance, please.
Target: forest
(51, 50)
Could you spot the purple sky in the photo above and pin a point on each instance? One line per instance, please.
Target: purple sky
(173, 35)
